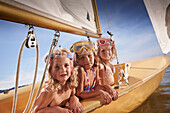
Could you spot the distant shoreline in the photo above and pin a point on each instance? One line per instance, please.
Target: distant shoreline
(6, 90)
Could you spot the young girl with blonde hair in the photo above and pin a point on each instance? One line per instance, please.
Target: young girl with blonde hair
(106, 52)
(88, 74)
(60, 86)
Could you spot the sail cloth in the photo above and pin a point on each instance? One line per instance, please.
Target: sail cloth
(75, 13)
(157, 13)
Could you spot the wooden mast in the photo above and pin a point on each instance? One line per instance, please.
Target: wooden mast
(97, 20)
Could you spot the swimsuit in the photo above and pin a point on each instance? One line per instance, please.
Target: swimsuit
(108, 78)
(87, 87)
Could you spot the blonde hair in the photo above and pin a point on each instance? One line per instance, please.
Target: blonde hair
(53, 83)
(113, 49)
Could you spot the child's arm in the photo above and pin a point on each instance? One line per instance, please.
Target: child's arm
(75, 105)
(106, 98)
(42, 102)
(112, 92)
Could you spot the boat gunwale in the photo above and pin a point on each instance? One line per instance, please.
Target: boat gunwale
(143, 81)
(140, 83)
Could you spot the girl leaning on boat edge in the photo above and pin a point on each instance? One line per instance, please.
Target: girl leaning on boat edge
(90, 84)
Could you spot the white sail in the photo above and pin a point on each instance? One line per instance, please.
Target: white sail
(157, 11)
(75, 13)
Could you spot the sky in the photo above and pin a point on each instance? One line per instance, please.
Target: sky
(128, 20)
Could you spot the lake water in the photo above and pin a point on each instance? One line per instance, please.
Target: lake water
(159, 101)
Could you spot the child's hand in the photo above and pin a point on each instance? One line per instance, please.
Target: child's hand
(75, 105)
(110, 90)
(106, 98)
(115, 96)
(113, 93)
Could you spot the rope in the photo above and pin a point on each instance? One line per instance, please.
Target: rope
(119, 78)
(107, 15)
(17, 76)
(53, 45)
(35, 76)
(30, 35)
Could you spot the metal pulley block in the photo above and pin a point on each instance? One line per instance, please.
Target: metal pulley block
(31, 38)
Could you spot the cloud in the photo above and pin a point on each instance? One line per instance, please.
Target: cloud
(24, 79)
(7, 83)
(132, 53)
(138, 46)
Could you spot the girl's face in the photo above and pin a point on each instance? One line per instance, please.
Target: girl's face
(61, 69)
(85, 59)
(105, 52)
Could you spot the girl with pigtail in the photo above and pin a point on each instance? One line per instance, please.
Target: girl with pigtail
(60, 87)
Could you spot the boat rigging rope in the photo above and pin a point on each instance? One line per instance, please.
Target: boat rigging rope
(30, 37)
(109, 26)
(53, 45)
(35, 76)
(17, 76)
(119, 78)
(104, 3)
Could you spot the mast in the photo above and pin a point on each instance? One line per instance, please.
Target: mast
(97, 20)
(15, 14)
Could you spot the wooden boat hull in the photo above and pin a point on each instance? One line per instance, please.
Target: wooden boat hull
(144, 77)
(134, 98)
(6, 100)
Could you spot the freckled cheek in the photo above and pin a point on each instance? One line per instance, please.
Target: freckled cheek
(81, 62)
(104, 54)
(55, 74)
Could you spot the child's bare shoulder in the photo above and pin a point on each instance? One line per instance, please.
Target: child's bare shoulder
(44, 97)
(80, 69)
(46, 91)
